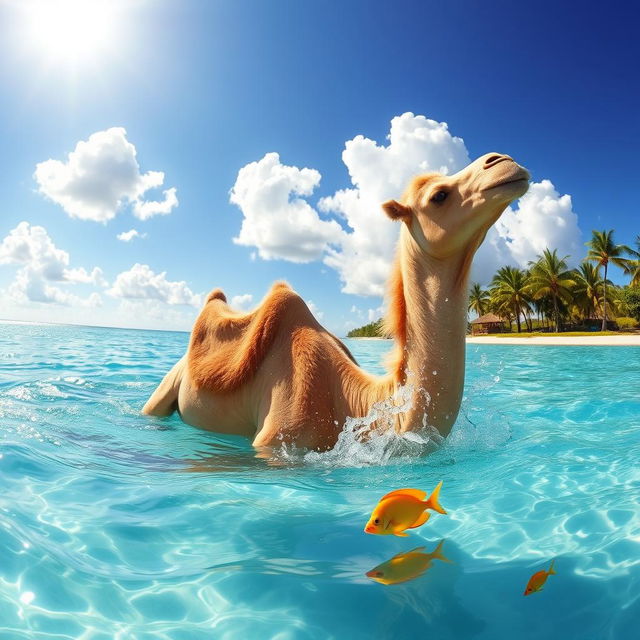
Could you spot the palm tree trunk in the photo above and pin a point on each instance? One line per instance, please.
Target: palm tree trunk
(518, 317)
(556, 313)
(604, 311)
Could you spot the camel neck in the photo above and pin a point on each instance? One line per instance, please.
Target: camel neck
(435, 306)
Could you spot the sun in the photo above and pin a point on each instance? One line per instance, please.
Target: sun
(70, 30)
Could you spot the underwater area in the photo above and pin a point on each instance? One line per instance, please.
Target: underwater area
(119, 526)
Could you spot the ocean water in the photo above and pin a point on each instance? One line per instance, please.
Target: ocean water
(118, 526)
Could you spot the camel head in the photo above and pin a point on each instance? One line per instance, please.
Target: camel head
(450, 215)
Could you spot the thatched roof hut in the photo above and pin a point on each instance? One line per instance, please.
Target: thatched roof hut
(488, 323)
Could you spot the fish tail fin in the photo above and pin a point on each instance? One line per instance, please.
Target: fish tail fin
(437, 552)
(551, 572)
(432, 502)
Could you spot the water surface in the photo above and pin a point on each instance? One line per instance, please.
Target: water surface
(115, 525)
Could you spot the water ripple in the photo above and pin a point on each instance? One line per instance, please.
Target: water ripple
(115, 525)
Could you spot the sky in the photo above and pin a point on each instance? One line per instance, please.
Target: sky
(152, 150)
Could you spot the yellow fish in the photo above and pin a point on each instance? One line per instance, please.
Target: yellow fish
(402, 509)
(537, 580)
(406, 566)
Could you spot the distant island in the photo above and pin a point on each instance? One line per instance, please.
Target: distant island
(371, 330)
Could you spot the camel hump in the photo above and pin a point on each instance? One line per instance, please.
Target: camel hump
(227, 348)
(217, 294)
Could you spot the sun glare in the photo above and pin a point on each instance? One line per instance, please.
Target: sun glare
(70, 30)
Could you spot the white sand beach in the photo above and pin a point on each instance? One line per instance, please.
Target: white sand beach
(631, 340)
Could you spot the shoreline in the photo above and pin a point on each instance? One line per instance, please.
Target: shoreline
(631, 340)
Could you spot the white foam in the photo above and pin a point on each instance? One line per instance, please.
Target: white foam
(373, 439)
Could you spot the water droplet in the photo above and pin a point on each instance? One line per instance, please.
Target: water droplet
(435, 373)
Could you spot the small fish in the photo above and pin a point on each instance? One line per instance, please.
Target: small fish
(402, 509)
(406, 566)
(537, 580)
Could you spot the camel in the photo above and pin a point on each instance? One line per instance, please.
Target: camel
(275, 375)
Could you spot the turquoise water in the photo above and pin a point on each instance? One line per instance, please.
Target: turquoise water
(117, 526)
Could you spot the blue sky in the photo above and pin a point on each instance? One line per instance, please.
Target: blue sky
(203, 89)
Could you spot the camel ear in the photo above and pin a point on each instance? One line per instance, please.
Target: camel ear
(396, 211)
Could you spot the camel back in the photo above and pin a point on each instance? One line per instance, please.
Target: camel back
(227, 348)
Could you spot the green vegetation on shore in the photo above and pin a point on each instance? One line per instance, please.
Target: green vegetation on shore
(371, 330)
(564, 334)
(549, 297)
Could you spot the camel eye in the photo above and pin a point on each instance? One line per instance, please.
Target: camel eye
(439, 196)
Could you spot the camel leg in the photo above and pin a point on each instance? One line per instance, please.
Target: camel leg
(280, 428)
(164, 400)
(267, 426)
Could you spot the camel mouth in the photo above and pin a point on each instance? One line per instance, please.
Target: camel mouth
(519, 177)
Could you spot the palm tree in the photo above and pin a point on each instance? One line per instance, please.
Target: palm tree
(602, 251)
(632, 267)
(587, 294)
(549, 277)
(478, 299)
(616, 300)
(544, 309)
(509, 292)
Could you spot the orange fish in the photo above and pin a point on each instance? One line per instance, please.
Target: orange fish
(406, 566)
(402, 509)
(537, 580)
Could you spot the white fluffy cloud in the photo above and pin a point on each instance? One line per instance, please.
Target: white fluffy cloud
(415, 145)
(282, 224)
(42, 263)
(278, 222)
(101, 176)
(128, 236)
(82, 276)
(543, 218)
(31, 246)
(370, 315)
(375, 314)
(145, 209)
(141, 283)
(242, 302)
(29, 286)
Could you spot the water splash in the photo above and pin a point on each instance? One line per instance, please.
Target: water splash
(373, 439)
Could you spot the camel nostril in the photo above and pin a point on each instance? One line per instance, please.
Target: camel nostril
(493, 159)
